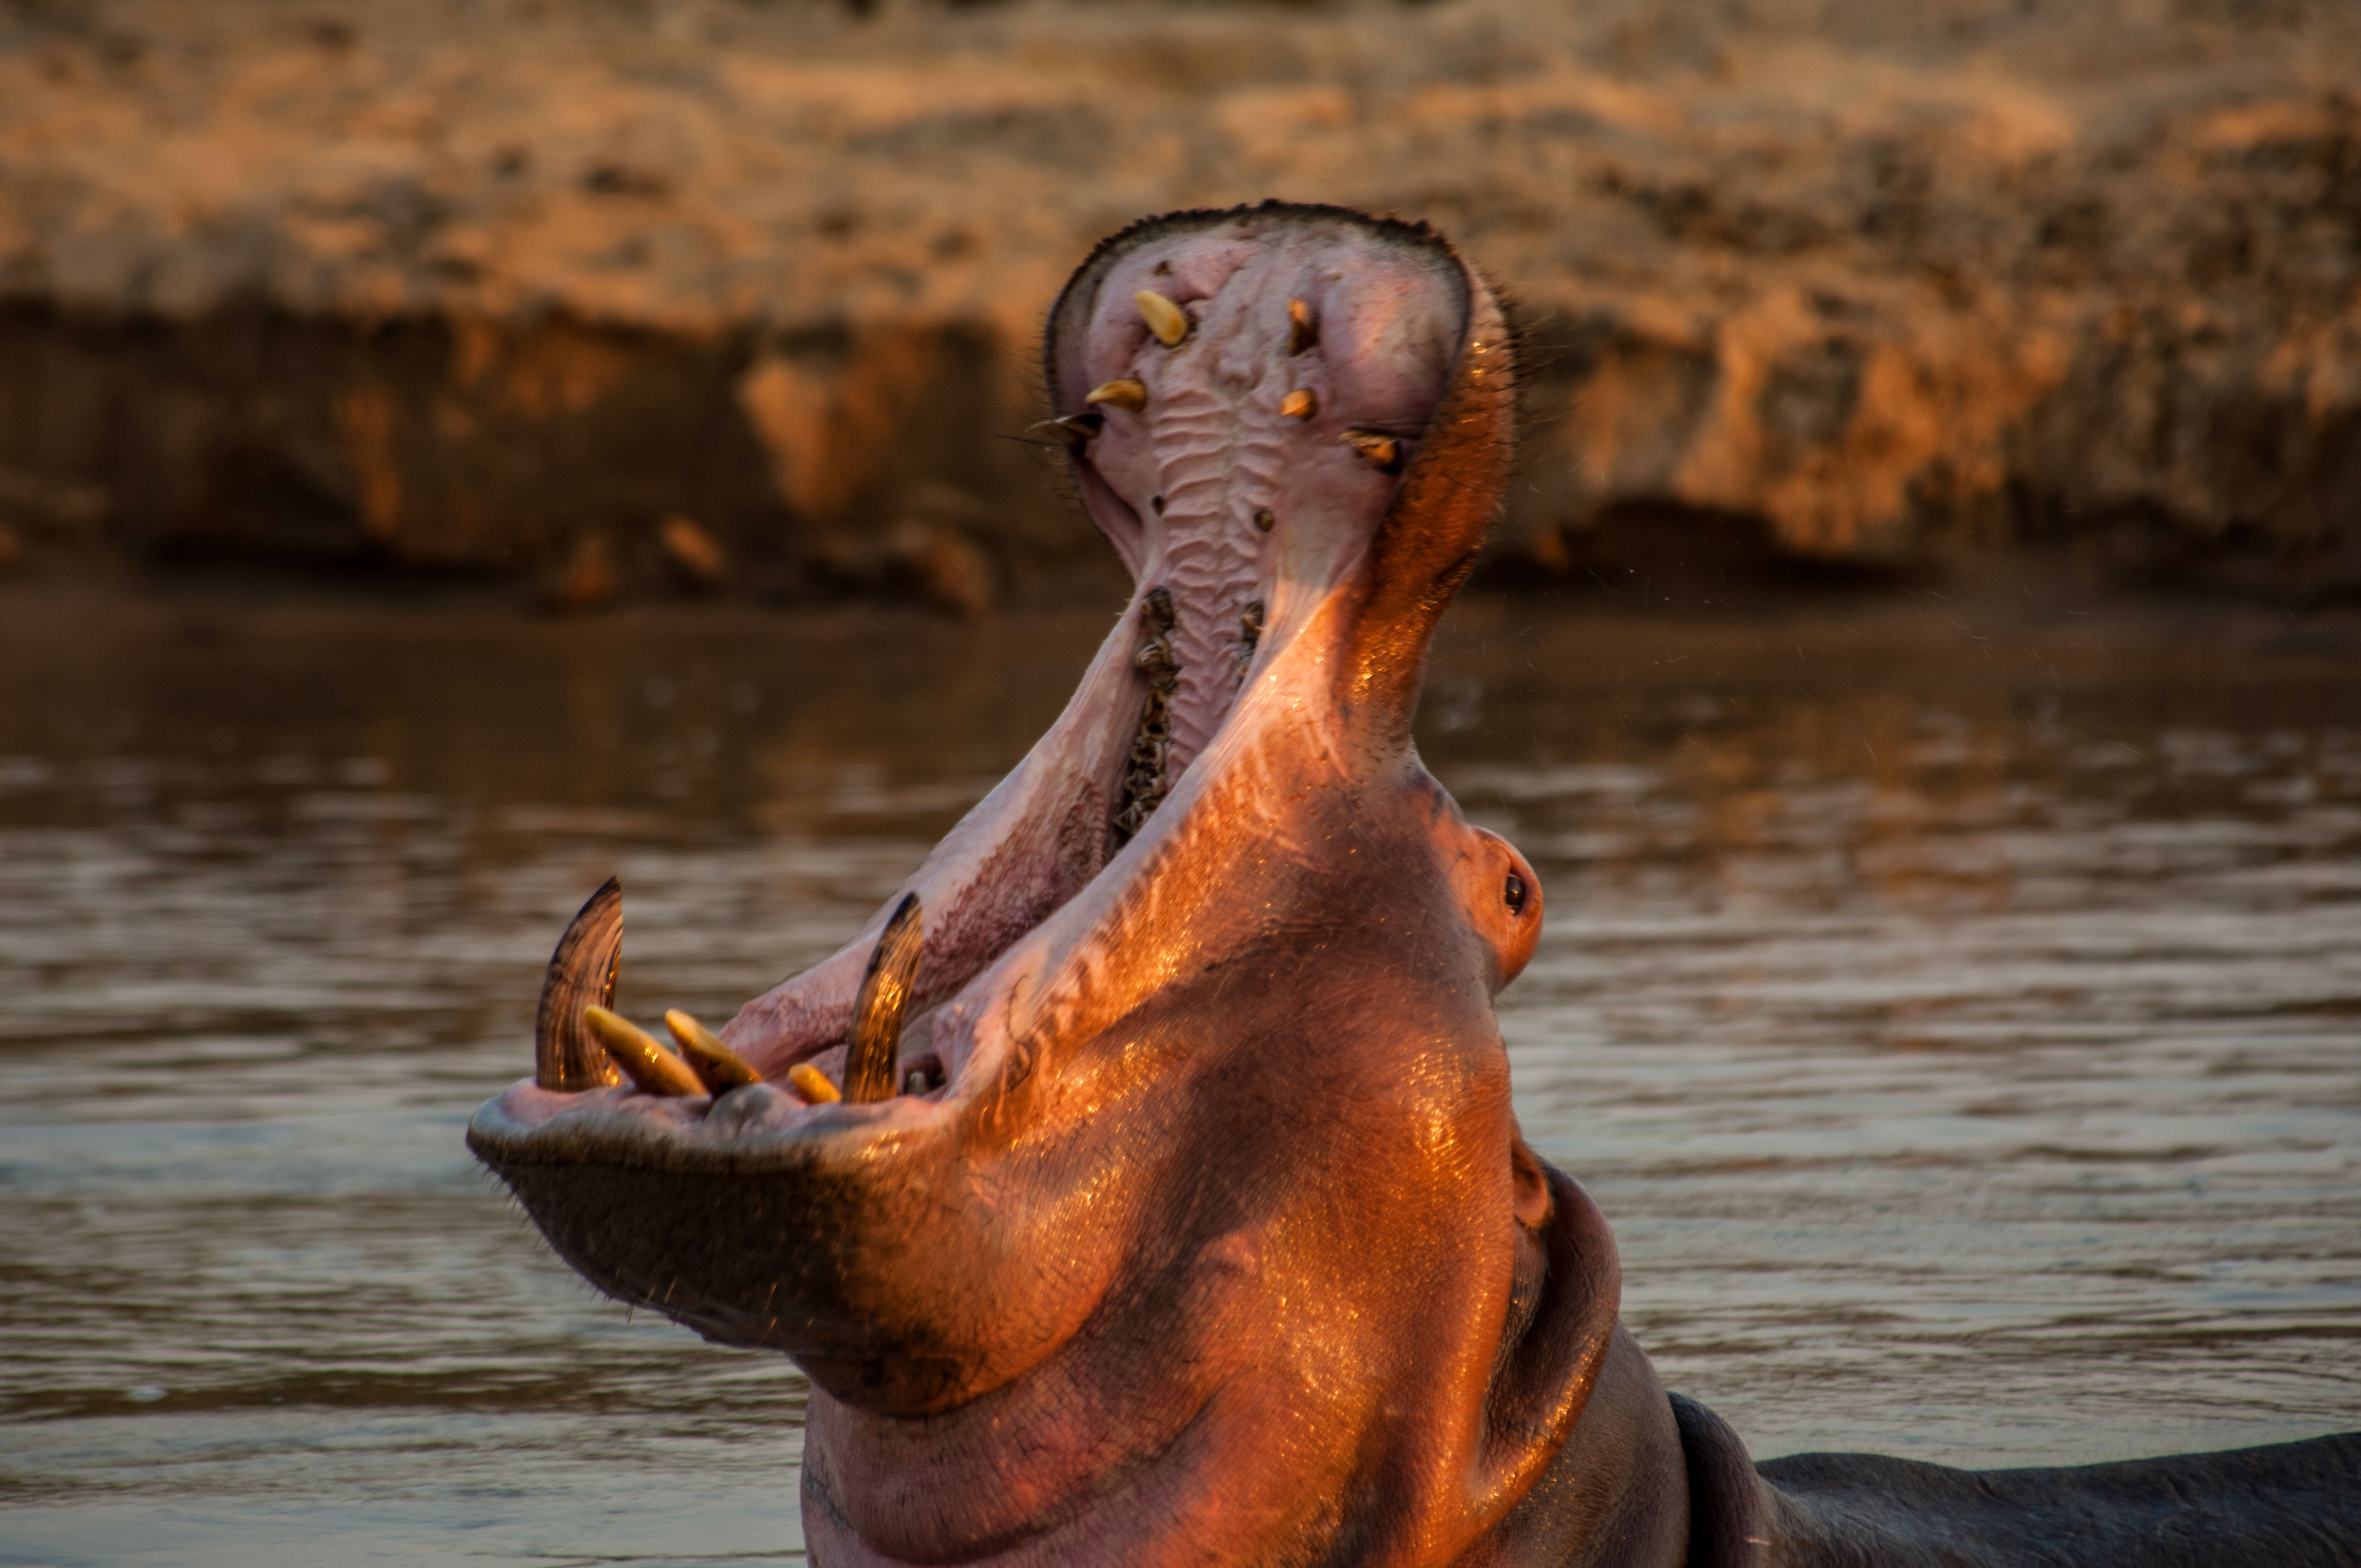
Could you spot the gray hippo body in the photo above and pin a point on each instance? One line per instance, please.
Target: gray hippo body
(1141, 1185)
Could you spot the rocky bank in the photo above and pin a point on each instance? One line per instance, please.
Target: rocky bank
(597, 297)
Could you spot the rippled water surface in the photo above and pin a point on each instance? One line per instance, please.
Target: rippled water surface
(1958, 1014)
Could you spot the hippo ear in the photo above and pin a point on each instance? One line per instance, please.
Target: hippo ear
(1427, 543)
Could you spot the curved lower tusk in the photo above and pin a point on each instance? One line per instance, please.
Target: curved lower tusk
(721, 1068)
(1167, 321)
(581, 974)
(656, 1069)
(1300, 403)
(878, 1014)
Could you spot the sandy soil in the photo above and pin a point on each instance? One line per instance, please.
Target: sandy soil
(599, 296)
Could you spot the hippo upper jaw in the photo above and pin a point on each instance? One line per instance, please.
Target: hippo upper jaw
(1205, 1227)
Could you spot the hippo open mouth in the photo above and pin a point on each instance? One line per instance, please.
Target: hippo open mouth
(1198, 999)
(1140, 1185)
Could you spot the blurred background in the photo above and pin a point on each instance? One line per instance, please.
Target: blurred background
(453, 452)
(605, 298)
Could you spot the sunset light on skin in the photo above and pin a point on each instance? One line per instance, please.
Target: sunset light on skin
(1173, 1209)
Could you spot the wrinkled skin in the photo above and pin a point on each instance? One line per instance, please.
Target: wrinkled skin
(1204, 1231)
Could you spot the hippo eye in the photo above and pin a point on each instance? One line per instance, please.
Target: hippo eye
(1513, 894)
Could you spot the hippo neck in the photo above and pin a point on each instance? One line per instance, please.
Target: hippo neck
(1123, 1444)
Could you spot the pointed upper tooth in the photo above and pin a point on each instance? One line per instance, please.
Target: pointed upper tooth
(720, 1067)
(581, 972)
(1300, 403)
(1128, 393)
(1302, 328)
(1382, 451)
(1167, 321)
(656, 1069)
(877, 1011)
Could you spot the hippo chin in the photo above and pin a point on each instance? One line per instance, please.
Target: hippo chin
(1141, 1185)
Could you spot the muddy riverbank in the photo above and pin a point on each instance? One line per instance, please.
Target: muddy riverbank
(603, 301)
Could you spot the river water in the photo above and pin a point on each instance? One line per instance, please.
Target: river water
(1956, 1011)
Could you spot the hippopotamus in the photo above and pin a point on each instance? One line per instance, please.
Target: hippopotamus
(1141, 1184)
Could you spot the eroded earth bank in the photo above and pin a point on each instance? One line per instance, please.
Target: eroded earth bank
(614, 299)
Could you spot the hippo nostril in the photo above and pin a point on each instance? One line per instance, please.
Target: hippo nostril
(1157, 503)
(1512, 893)
(1265, 519)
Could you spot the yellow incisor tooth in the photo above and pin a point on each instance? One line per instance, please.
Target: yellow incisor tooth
(1384, 451)
(716, 1064)
(656, 1069)
(813, 1084)
(1300, 403)
(1167, 321)
(1127, 393)
(1302, 331)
